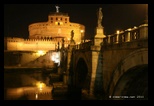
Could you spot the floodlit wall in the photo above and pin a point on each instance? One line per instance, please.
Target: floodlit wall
(33, 44)
(58, 25)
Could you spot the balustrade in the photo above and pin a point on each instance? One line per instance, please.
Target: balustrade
(128, 35)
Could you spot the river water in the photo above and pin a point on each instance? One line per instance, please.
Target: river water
(22, 85)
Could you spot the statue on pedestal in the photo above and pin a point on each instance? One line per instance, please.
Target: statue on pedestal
(72, 35)
(99, 29)
(57, 9)
(100, 16)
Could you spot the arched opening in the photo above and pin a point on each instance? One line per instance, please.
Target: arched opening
(133, 84)
(81, 73)
(80, 80)
(137, 58)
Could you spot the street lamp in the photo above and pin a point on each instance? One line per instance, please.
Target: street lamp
(36, 96)
(117, 37)
(82, 35)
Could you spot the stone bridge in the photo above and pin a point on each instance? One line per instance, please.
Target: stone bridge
(111, 67)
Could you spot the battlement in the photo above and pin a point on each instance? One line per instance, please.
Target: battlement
(14, 39)
(14, 43)
(39, 40)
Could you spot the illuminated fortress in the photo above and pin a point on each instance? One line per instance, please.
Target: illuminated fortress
(47, 35)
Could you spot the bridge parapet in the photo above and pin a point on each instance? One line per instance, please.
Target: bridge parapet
(84, 46)
(131, 34)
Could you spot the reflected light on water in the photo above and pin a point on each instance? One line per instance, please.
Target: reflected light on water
(36, 96)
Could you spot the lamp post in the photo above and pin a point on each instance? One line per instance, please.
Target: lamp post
(82, 35)
(117, 37)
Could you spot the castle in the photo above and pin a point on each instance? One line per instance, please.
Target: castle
(43, 38)
(47, 35)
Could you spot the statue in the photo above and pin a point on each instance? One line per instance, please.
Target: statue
(72, 34)
(57, 9)
(100, 16)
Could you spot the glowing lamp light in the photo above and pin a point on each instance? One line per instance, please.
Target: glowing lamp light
(118, 31)
(40, 52)
(56, 57)
(40, 85)
(82, 31)
(129, 29)
(36, 96)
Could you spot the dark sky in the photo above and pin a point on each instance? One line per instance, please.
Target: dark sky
(17, 17)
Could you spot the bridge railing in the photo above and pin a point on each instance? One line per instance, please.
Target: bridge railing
(131, 34)
(84, 46)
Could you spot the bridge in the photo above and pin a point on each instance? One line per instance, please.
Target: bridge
(105, 67)
(111, 67)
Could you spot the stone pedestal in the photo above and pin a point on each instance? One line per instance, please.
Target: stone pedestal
(69, 54)
(95, 54)
(99, 31)
(99, 36)
(98, 39)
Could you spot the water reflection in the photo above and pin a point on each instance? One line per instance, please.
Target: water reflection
(27, 84)
(36, 85)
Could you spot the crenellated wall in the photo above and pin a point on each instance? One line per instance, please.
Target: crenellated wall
(21, 44)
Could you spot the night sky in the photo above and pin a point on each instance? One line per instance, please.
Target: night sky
(17, 17)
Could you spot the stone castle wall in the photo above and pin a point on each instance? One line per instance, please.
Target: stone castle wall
(43, 36)
(47, 35)
(58, 25)
(21, 44)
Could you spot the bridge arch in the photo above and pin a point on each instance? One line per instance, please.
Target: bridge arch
(82, 68)
(81, 72)
(79, 79)
(132, 65)
(133, 83)
(86, 57)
